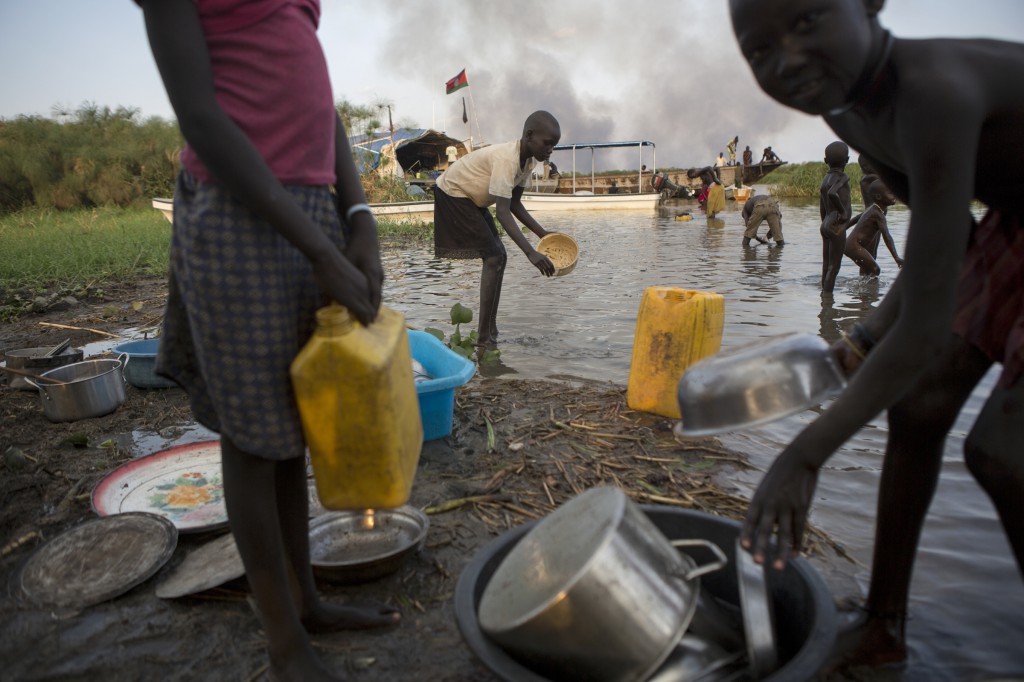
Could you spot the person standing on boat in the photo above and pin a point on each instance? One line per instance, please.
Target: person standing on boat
(720, 161)
(748, 156)
(463, 227)
(731, 148)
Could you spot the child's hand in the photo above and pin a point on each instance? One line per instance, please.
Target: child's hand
(363, 251)
(780, 506)
(848, 359)
(542, 263)
(345, 284)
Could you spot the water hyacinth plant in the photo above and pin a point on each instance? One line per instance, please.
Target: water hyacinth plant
(463, 345)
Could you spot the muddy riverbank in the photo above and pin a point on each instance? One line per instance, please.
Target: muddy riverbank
(518, 449)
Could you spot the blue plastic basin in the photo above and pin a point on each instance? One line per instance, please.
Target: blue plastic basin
(140, 365)
(437, 395)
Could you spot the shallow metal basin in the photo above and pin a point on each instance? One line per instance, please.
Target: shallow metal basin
(757, 383)
(353, 547)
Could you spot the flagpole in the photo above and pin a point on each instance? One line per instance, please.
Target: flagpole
(472, 105)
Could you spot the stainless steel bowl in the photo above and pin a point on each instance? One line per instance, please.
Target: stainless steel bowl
(353, 547)
(757, 383)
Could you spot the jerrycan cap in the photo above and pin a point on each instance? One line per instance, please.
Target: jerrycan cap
(335, 317)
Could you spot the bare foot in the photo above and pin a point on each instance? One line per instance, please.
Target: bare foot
(355, 615)
(486, 343)
(869, 641)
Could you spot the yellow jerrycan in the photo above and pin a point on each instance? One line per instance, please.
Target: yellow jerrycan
(359, 409)
(674, 329)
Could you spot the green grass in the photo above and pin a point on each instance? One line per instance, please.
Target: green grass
(58, 253)
(45, 248)
(804, 180)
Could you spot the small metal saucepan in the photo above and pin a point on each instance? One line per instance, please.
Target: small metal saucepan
(594, 591)
(91, 388)
(37, 361)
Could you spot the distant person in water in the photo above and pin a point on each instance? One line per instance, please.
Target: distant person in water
(867, 176)
(495, 175)
(758, 209)
(834, 206)
(871, 225)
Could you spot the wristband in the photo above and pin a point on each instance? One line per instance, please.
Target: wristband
(863, 336)
(849, 342)
(356, 208)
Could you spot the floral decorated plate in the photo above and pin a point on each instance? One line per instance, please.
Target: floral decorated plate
(183, 484)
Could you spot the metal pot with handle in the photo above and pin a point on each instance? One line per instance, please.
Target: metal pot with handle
(594, 591)
(91, 388)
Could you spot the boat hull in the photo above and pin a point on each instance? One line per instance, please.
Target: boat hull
(543, 201)
(399, 211)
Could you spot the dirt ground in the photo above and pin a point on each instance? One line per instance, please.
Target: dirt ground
(518, 449)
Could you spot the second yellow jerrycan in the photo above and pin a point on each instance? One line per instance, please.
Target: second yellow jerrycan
(674, 329)
(360, 413)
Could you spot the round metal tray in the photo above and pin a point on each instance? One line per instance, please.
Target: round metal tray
(98, 560)
(352, 547)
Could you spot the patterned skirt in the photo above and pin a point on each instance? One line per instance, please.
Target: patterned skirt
(242, 302)
(990, 296)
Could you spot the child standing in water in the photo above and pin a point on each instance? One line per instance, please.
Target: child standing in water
(256, 248)
(936, 119)
(835, 208)
(869, 227)
(463, 227)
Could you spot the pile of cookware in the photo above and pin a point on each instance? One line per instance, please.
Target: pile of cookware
(595, 591)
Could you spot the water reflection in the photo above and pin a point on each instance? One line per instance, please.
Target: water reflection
(967, 601)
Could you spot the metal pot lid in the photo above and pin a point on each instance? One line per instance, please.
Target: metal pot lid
(98, 560)
(209, 565)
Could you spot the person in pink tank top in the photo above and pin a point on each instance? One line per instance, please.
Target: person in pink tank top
(259, 243)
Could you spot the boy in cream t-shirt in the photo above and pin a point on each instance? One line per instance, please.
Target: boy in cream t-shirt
(463, 226)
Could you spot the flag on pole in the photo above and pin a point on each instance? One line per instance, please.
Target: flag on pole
(456, 83)
(465, 119)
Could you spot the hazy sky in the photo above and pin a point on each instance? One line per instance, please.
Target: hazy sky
(668, 71)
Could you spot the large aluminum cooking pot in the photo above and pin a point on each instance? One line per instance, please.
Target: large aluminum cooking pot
(92, 388)
(594, 591)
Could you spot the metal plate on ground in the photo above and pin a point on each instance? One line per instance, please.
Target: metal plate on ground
(209, 565)
(183, 484)
(98, 560)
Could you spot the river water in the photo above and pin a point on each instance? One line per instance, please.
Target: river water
(967, 601)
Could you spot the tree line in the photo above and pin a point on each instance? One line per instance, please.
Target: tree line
(98, 156)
